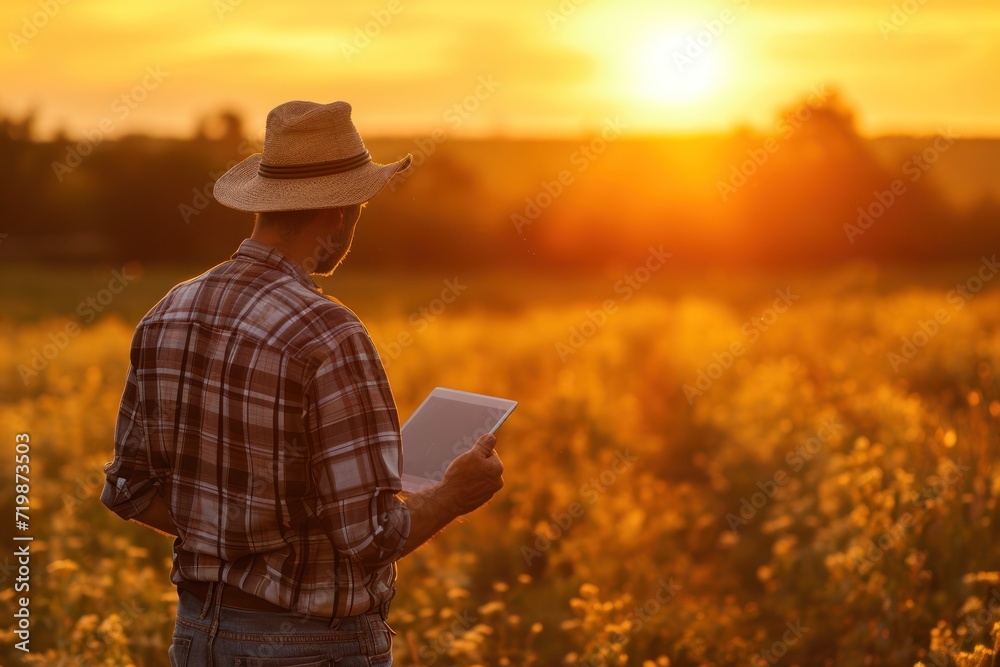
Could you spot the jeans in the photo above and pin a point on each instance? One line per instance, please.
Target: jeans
(212, 635)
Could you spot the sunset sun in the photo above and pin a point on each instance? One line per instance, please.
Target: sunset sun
(678, 68)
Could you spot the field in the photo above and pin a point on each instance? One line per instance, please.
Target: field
(703, 470)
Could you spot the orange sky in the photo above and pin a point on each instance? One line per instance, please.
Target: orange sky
(517, 67)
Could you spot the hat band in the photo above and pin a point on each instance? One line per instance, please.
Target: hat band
(312, 169)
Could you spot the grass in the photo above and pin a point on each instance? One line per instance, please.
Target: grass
(865, 496)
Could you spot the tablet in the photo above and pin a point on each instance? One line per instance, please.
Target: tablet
(445, 425)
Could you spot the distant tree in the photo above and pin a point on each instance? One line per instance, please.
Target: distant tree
(818, 194)
(22, 130)
(809, 192)
(225, 126)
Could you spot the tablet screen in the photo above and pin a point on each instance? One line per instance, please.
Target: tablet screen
(445, 425)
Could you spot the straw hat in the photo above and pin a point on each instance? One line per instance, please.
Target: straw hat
(313, 158)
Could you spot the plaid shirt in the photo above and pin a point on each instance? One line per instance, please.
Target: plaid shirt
(259, 409)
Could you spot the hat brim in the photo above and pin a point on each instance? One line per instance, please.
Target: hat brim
(243, 189)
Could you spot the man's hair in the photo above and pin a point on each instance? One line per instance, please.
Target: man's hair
(287, 223)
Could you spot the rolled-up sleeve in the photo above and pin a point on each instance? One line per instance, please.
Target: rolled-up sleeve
(130, 486)
(355, 454)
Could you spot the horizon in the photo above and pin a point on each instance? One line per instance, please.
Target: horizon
(54, 135)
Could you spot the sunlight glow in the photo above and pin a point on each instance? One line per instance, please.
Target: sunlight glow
(685, 66)
(677, 68)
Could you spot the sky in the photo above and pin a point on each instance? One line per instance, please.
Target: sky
(517, 68)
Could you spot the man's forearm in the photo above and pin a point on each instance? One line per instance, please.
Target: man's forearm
(430, 511)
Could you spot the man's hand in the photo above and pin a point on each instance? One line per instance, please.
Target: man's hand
(471, 479)
(475, 476)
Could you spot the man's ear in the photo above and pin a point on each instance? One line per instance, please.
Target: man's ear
(331, 216)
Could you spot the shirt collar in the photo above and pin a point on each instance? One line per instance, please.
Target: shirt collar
(255, 251)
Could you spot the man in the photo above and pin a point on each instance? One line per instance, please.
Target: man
(258, 428)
